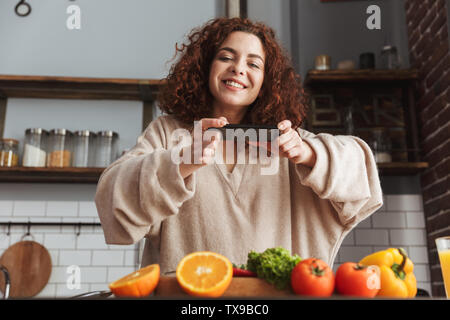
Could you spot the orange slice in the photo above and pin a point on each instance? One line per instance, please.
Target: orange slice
(137, 284)
(204, 274)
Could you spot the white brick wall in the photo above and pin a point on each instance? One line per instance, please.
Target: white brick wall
(399, 223)
(99, 263)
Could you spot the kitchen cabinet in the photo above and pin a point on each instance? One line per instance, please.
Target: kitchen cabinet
(362, 102)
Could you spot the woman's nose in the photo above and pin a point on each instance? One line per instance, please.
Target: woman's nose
(238, 68)
(238, 71)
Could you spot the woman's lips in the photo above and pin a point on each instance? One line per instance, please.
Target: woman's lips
(232, 88)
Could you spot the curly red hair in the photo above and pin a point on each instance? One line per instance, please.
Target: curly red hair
(186, 95)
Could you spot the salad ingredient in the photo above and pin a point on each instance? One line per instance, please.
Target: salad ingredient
(312, 277)
(137, 284)
(354, 279)
(204, 274)
(396, 272)
(273, 265)
(238, 272)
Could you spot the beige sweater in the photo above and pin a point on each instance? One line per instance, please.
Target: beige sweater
(307, 211)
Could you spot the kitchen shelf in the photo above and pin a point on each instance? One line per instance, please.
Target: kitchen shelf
(51, 87)
(361, 75)
(91, 175)
(50, 175)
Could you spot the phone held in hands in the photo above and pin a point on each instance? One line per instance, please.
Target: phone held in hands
(248, 132)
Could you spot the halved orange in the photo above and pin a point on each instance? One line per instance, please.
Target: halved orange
(137, 284)
(204, 274)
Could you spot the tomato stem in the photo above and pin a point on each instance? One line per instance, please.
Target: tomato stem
(315, 269)
(359, 267)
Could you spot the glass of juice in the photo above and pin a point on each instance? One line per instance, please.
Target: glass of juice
(443, 247)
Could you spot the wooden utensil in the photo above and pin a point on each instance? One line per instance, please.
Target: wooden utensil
(29, 265)
(239, 287)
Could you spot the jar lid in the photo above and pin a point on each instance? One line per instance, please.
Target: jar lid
(12, 141)
(61, 132)
(108, 133)
(35, 131)
(84, 133)
(389, 48)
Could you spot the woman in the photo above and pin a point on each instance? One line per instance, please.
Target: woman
(234, 71)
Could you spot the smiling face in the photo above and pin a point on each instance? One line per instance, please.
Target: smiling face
(237, 71)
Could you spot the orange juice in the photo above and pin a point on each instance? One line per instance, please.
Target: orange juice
(444, 257)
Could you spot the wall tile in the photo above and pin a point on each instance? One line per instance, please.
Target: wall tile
(405, 202)
(29, 208)
(415, 219)
(365, 224)
(54, 255)
(91, 241)
(6, 208)
(58, 275)
(107, 258)
(354, 254)
(60, 241)
(62, 208)
(383, 207)
(4, 241)
(93, 274)
(371, 237)
(389, 219)
(63, 291)
(411, 237)
(99, 287)
(421, 272)
(75, 257)
(418, 254)
(349, 239)
(49, 291)
(130, 258)
(117, 273)
(87, 209)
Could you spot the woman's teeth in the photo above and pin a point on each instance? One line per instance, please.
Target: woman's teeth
(234, 84)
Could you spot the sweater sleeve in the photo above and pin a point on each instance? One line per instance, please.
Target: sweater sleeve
(345, 173)
(142, 188)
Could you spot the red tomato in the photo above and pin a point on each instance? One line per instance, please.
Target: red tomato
(312, 277)
(353, 279)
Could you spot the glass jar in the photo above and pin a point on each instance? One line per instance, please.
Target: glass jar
(9, 153)
(323, 62)
(35, 146)
(83, 150)
(381, 145)
(59, 149)
(389, 58)
(106, 148)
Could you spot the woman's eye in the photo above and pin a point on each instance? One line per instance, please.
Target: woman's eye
(224, 58)
(253, 65)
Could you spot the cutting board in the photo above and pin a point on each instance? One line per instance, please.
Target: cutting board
(239, 287)
(29, 265)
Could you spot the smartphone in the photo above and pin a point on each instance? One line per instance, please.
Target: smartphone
(250, 132)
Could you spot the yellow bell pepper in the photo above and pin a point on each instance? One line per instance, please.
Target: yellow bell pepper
(396, 273)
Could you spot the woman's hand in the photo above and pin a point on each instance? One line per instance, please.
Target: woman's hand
(291, 146)
(202, 152)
